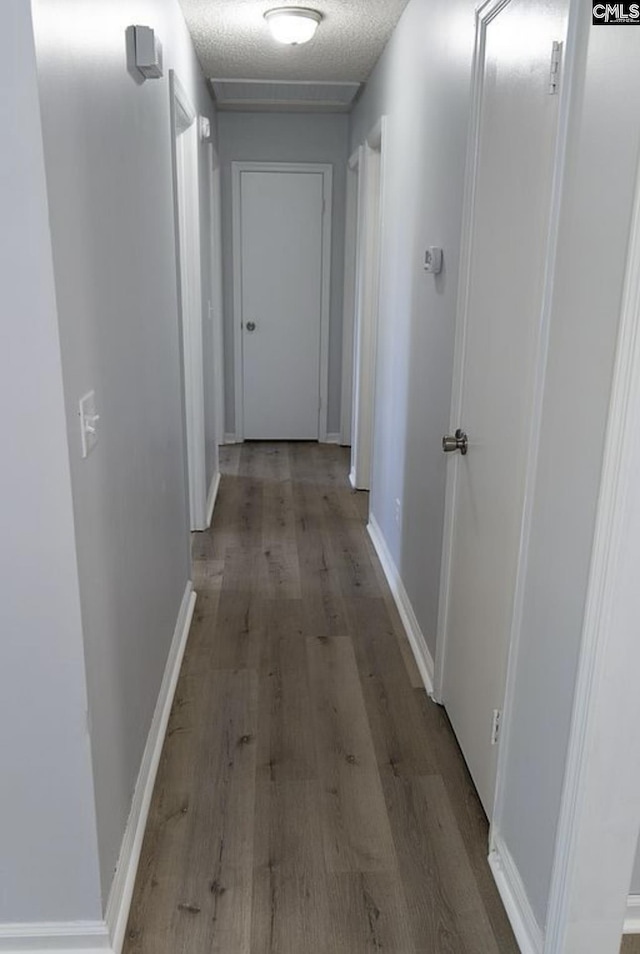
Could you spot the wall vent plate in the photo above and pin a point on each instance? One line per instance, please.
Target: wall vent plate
(148, 52)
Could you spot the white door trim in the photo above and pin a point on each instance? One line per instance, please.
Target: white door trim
(184, 149)
(370, 230)
(217, 299)
(326, 170)
(185, 113)
(593, 861)
(349, 297)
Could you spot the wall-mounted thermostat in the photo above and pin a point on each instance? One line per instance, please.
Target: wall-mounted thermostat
(433, 260)
(148, 52)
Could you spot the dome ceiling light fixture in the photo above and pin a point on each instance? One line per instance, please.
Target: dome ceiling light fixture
(293, 25)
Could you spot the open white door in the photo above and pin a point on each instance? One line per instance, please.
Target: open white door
(187, 202)
(497, 355)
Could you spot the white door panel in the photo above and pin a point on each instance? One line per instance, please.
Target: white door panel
(509, 234)
(281, 220)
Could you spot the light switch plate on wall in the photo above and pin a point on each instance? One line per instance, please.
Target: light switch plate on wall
(89, 418)
(433, 260)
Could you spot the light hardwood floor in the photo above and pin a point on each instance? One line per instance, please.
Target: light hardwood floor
(310, 798)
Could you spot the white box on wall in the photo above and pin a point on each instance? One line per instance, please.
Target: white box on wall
(148, 52)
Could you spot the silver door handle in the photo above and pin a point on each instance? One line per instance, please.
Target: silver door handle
(251, 326)
(458, 441)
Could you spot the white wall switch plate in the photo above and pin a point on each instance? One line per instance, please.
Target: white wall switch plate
(89, 418)
(433, 260)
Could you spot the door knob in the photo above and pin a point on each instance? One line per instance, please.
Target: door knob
(459, 441)
(251, 326)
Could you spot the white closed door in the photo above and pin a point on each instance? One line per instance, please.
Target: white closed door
(281, 223)
(498, 356)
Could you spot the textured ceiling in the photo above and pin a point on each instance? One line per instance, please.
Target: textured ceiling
(233, 42)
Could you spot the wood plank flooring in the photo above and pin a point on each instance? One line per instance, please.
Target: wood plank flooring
(631, 944)
(310, 798)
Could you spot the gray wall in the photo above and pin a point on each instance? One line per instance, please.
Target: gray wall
(49, 865)
(604, 135)
(286, 137)
(108, 165)
(422, 85)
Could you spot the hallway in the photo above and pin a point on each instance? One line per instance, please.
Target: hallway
(310, 798)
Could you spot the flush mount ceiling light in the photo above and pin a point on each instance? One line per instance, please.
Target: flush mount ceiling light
(293, 25)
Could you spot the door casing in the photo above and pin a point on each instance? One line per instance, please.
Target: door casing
(369, 232)
(185, 145)
(216, 291)
(349, 296)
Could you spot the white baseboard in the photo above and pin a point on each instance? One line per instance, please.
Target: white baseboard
(106, 937)
(121, 892)
(79, 937)
(230, 439)
(415, 635)
(211, 499)
(514, 897)
(332, 439)
(632, 920)
(352, 479)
